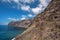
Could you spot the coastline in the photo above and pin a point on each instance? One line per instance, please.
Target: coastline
(45, 26)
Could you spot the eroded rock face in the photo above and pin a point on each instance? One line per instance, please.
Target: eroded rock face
(23, 23)
(46, 26)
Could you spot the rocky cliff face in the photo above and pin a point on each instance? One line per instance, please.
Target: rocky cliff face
(23, 23)
(46, 26)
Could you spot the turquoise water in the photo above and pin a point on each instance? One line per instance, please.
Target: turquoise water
(8, 32)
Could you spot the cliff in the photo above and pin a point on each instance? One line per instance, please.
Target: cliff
(23, 23)
(46, 26)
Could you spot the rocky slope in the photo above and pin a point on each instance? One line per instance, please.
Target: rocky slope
(46, 26)
(23, 23)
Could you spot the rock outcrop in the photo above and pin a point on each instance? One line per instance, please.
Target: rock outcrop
(23, 23)
(46, 26)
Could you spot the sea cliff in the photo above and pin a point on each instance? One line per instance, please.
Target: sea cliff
(45, 26)
(23, 23)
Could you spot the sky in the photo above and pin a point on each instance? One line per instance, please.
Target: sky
(17, 10)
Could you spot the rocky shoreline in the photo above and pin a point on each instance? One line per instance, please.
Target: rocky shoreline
(45, 26)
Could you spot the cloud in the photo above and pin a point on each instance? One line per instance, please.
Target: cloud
(23, 18)
(27, 1)
(12, 19)
(38, 9)
(43, 2)
(41, 6)
(6, 1)
(16, 1)
(26, 8)
(30, 15)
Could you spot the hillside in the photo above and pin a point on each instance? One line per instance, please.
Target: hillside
(23, 23)
(45, 26)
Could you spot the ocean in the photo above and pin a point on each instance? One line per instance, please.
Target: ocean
(9, 32)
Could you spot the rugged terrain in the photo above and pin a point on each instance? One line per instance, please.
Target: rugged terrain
(46, 26)
(23, 23)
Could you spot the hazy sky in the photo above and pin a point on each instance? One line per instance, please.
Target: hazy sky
(16, 10)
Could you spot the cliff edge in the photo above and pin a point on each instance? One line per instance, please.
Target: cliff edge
(23, 23)
(46, 26)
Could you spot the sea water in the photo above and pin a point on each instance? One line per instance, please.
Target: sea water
(9, 32)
